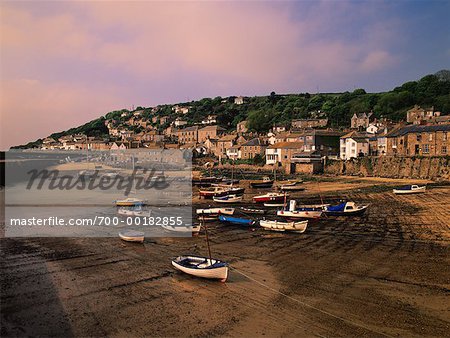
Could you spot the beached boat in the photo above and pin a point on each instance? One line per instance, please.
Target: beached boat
(410, 189)
(213, 192)
(132, 236)
(265, 183)
(202, 267)
(214, 212)
(292, 186)
(205, 181)
(284, 226)
(270, 197)
(253, 211)
(182, 229)
(134, 211)
(274, 205)
(236, 220)
(346, 209)
(228, 199)
(130, 202)
(300, 212)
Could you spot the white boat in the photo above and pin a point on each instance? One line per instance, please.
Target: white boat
(292, 186)
(228, 199)
(182, 229)
(300, 212)
(130, 202)
(215, 211)
(346, 209)
(132, 236)
(410, 189)
(135, 211)
(284, 226)
(202, 267)
(273, 205)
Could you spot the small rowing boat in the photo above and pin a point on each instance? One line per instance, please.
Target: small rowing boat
(284, 226)
(253, 211)
(346, 209)
(182, 229)
(228, 199)
(300, 212)
(202, 267)
(132, 236)
(274, 205)
(410, 189)
(130, 202)
(215, 211)
(236, 220)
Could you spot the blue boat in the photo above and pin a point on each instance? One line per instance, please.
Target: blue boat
(346, 209)
(236, 220)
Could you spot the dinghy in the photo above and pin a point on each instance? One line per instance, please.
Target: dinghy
(134, 211)
(213, 192)
(228, 199)
(274, 205)
(346, 209)
(284, 226)
(253, 211)
(202, 267)
(270, 197)
(132, 236)
(129, 202)
(265, 183)
(292, 186)
(182, 229)
(410, 189)
(303, 212)
(236, 220)
(215, 211)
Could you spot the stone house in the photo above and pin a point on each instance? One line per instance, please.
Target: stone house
(354, 144)
(188, 135)
(225, 142)
(418, 115)
(281, 152)
(252, 148)
(360, 121)
(241, 127)
(309, 123)
(417, 140)
(213, 132)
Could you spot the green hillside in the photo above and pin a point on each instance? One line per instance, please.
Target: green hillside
(262, 112)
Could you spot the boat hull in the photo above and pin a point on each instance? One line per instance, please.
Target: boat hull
(284, 226)
(300, 213)
(236, 220)
(408, 192)
(211, 272)
(261, 184)
(356, 212)
(132, 236)
(269, 199)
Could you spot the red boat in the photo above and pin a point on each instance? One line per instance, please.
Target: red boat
(270, 197)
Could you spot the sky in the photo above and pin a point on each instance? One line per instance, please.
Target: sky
(64, 63)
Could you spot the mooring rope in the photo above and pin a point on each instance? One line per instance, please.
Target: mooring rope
(308, 305)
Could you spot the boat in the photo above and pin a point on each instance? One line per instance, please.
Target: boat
(300, 212)
(205, 181)
(345, 209)
(230, 189)
(130, 202)
(213, 192)
(182, 229)
(410, 189)
(230, 181)
(265, 183)
(253, 211)
(228, 199)
(273, 205)
(216, 211)
(134, 211)
(284, 226)
(202, 267)
(270, 197)
(292, 186)
(236, 220)
(132, 236)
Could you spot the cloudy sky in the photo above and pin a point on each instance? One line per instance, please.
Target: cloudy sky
(65, 63)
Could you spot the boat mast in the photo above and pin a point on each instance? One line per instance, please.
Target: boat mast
(207, 238)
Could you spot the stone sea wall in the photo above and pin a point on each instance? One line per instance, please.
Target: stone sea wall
(435, 168)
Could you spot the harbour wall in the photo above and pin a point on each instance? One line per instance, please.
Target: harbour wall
(434, 168)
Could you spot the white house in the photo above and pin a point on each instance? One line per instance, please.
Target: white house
(271, 139)
(354, 145)
(372, 129)
(234, 152)
(239, 100)
(211, 119)
(179, 122)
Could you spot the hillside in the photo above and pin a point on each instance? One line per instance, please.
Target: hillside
(262, 112)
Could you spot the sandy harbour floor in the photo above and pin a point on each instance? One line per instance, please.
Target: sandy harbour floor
(383, 274)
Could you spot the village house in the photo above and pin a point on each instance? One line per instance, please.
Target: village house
(179, 122)
(417, 140)
(241, 127)
(138, 113)
(354, 144)
(281, 153)
(212, 132)
(307, 162)
(239, 100)
(225, 142)
(372, 128)
(326, 142)
(155, 119)
(171, 131)
(118, 146)
(308, 123)
(360, 121)
(252, 148)
(180, 110)
(210, 119)
(418, 115)
(188, 135)
(163, 119)
(211, 146)
(278, 128)
(234, 152)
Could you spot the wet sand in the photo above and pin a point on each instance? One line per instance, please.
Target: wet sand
(383, 274)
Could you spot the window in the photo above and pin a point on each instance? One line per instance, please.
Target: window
(426, 148)
(444, 150)
(419, 137)
(430, 137)
(444, 136)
